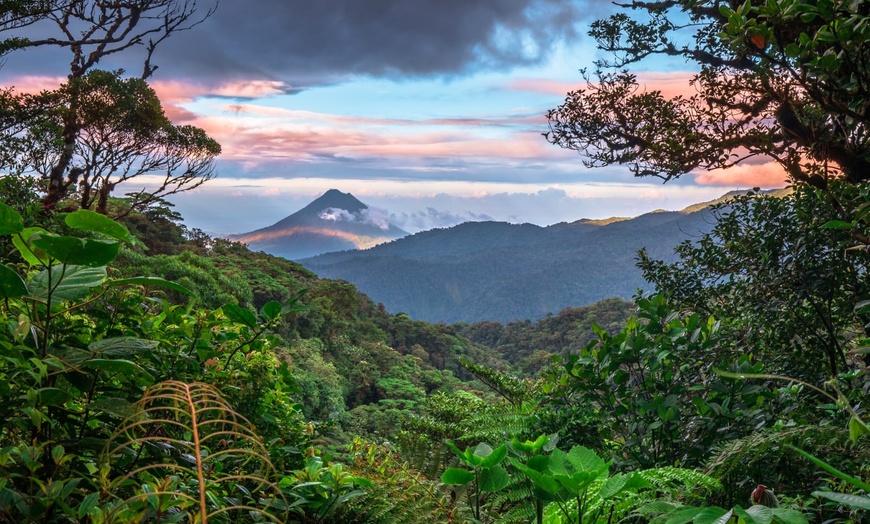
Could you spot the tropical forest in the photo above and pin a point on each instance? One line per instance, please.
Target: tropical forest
(152, 373)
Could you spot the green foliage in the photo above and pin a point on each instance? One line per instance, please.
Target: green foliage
(577, 486)
(398, 493)
(320, 491)
(787, 285)
(529, 345)
(486, 474)
(79, 349)
(652, 392)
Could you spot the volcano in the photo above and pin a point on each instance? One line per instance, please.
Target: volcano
(335, 221)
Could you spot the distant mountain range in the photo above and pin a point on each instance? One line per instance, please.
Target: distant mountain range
(333, 222)
(478, 270)
(498, 271)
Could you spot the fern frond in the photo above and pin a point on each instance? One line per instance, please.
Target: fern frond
(184, 449)
(667, 479)
(399, 493)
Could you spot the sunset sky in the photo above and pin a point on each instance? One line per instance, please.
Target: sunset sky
(430, 111)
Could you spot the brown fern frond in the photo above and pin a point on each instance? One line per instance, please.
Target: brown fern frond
(184, 449)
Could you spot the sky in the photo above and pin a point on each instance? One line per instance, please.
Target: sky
(429, 111)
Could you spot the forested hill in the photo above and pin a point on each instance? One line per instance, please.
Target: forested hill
(498, 271)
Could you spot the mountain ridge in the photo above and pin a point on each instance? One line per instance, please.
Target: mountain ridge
(500, 271)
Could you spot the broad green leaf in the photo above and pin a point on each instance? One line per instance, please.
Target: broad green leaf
(847, 499)
(586, 460)
(712, 515)
(32, 254)
(122, 346)
(88, 220)
(457, 476)
(541, 480)
(613, 486)
(271, 310)
(682, 515)
(483, 450)
(239, 315)
(759, 514)
(52, 396)
(495, 457)
(72, 356)
(576, 483)
(69, 283)
(857, 428)
(788, 516)
(10, 221)
(454, 449)
(838, 224)
(493, 479)
(558, 460)
(77, 251)
(121, 367)
(151, 281)
(88, 503)
(11, 284)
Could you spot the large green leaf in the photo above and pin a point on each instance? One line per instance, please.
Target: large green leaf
(11, 284)
(494, 457)
(541, 480)
(151, 281)
(682, 515)
(584, 459)
(853, 501)
(239, 314)
(457, 476)
(493, 479)
(67, 282)
(88, 220)
(10, 221)
(613, 486)
(33, 255)
(271, 310)
(121, 367)
(713, 515)
(77, 251)
(122, 346)
(52, 396)
(788, 516)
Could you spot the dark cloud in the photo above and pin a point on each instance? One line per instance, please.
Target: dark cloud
(314, 41)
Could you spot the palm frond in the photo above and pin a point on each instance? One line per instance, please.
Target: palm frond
(183, 449)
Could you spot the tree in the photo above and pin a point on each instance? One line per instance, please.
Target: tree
(91, 30)
(784, 79)
(122, 134)
(787, 284)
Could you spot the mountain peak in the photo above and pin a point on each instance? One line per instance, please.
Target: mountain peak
(333, 199)
(335, 221)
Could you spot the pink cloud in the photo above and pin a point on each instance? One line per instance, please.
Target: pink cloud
(766, 175)
(175, 91)
(670, 84)
(34, 84)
